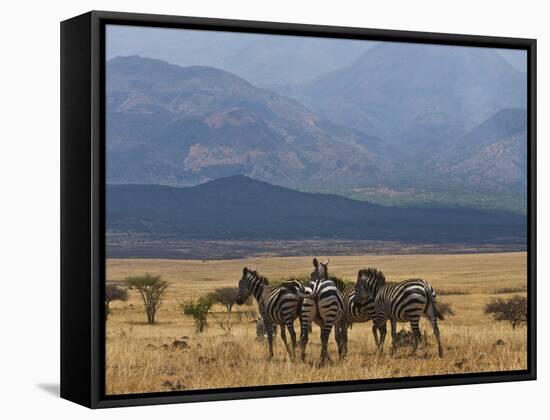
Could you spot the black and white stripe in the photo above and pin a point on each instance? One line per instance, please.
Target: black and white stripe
(405, 301)
(323, 304)
(354, 312)
(278, 305)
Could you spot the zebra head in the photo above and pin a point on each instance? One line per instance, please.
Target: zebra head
(245, 286)
(318, 276)
(320, 271)
(368, 283)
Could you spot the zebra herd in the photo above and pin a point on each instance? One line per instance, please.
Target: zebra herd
(329, 302)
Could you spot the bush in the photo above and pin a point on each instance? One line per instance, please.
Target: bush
(152, 290)
(198, 310)
(507, 290)
(113, 292)
(513, 310)
(445, 309)
(226, 296)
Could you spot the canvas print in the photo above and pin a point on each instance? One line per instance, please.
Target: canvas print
(297, 210)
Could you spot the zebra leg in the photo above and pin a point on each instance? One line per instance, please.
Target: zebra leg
(382, 329)
(375, 334)
(283, 337)
(309, 312)
(341, 333)
(417, 335)
(338, 336)
(304, 338)
(431, 313)
(325, 333)
(292, 332)
(437, 336)
(269, 327)
(344, 335)
(393, 336)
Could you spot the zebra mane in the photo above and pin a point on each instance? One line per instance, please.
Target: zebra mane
(340, 284)
(255, 274)
(371, 274)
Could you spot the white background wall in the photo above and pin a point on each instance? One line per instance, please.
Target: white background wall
(29, 234)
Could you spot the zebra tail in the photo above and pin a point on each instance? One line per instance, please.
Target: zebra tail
(438, 314)
(300, 304)
(431, 297)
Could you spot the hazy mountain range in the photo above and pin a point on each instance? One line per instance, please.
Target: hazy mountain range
(264, 60)
(185, 125)
(432, 119)
(238, 207)
(492, 155)
(417, 96)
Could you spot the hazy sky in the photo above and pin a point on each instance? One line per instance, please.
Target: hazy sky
(260, 59)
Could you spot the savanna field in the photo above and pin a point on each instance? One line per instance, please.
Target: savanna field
(143, 358)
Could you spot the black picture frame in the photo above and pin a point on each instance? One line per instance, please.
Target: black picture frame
(83, 218)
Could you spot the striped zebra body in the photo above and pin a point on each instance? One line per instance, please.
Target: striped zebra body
(354, 312)
(405, 301)
(278, 305)
(323, 304)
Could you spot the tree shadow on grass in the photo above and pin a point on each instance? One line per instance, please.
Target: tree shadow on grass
(145, 323)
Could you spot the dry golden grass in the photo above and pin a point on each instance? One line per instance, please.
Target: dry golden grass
(137, 361)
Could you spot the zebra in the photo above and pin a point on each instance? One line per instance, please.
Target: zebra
(354, 312)
(278, 305)
(404, 301)
(261, 332)
(322, 304)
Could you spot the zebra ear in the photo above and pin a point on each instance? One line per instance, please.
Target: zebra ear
(326, 262)
(315, 262)
(245, 271)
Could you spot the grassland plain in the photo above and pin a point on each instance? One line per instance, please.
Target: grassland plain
(140, 358)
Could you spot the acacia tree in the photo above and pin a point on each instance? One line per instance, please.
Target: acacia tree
(513, 310)
(152, 290)
(198, 310)
(226, 296)
(113, 292)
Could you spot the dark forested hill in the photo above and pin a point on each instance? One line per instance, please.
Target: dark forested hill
(238, 207)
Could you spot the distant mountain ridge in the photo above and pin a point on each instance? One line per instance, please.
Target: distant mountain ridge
(186, 125)
(261, 59)
(238, 207)
(418, 96)
(493, 155)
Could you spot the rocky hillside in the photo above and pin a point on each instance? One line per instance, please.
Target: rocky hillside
(419, 97)
(493, 155)
(185, 125)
